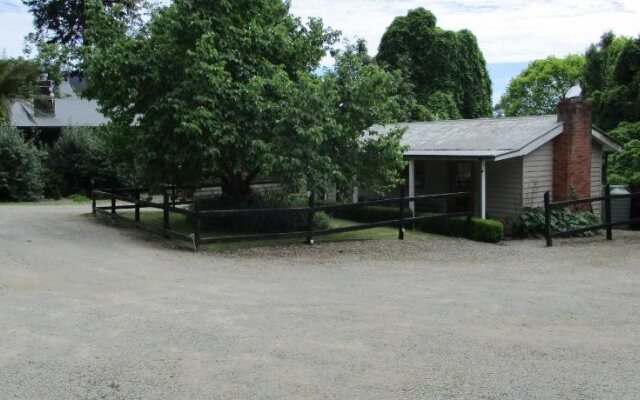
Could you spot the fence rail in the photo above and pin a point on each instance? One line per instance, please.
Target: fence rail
(170, 205)
(608, 223)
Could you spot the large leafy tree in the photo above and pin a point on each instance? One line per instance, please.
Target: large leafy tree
(225, 90)
(539, 87)
(17, 79)
(447, 68)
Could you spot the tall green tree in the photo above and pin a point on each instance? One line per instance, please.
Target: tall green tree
(61, 30)
(447, 68)
(225, 90)
(612, 78)
(322, 134)
(539, 87)
(20, 167)
(17, 79)
(64, 21)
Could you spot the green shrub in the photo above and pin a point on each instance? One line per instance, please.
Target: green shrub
(79, 155)
(371, 213)
(481, 230)
(20, 167)
(79, 198)
(261, 223)
(532, 222)
(487, 230)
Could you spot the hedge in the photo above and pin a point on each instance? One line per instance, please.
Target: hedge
(480, 230)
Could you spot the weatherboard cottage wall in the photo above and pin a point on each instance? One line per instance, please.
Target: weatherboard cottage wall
(537, 175)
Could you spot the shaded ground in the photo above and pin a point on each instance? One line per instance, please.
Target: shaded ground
(88, 311)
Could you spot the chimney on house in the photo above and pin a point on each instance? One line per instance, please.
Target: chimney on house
(572, 148)
(43, 102)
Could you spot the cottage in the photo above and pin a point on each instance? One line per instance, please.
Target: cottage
(508, 163)
(45, 117)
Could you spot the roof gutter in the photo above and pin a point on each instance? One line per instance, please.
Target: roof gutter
(606, 140)
(417, 156)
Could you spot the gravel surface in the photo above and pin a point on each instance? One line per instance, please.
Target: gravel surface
(89, 311)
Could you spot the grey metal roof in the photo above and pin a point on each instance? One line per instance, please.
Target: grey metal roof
(70, 110)
(496, 138)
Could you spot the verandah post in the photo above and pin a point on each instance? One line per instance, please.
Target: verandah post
(310, 216)
(165, 211)
(547, 219)
(401, 227)
(607, 211)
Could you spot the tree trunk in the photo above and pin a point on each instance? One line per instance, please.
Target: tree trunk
(237, 187)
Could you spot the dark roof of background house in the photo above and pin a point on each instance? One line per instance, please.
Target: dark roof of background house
(70, 110)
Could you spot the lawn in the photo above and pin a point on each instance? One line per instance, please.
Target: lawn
(179, 223)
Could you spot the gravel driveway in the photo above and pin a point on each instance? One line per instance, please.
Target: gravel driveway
(88, 311)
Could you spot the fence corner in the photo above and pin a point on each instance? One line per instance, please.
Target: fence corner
(310, 217)
(607, 211)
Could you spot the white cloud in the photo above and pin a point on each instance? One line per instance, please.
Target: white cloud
(507, 31)
(15, 24)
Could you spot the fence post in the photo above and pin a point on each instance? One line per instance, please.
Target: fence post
(113, 201)
(547, 219)
(607, 211)
(196, 225)
(165, 211)
(310, 216)
(471, 208)
(137, 203)
(401, 227)
(93, 196)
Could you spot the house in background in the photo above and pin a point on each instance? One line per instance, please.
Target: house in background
(45, 117)
(508, 163)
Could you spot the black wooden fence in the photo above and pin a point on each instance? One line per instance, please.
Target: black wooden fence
(132, 199)
(608, 223)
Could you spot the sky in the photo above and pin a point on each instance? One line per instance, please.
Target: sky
(510, 33)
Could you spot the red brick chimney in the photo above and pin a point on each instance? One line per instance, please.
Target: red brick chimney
(572, 148)
(43, 102)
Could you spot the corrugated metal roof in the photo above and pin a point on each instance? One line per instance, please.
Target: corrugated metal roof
(485, 137)
(69, 111)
